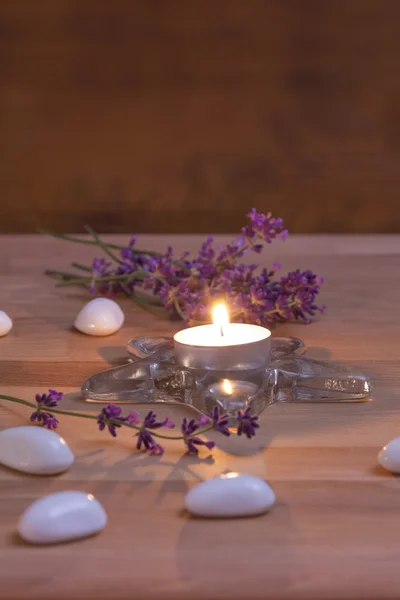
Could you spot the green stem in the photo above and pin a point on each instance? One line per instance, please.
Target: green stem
(81, 267)
(182, 437)
(51, 409)
(85, 280)
(140, 297)
(103, 246)
(178, 309)
(95, 417)
(18, 400)
(147, 306)
(277, 310)
(150, 298)
(71, 238)
(236, 255)
(59, 274)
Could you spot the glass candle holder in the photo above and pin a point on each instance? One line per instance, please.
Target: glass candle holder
(156, 375)
(226, 370)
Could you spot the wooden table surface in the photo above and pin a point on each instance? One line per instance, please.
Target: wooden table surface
(335, 529)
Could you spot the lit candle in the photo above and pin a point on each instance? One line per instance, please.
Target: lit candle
(227, 387)
(223, 345)
(221, 318)
(231, 395)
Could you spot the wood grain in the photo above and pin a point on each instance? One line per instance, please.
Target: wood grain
(333, 533)
(178, 115)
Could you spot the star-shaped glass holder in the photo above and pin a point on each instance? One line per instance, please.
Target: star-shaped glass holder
(152, 375)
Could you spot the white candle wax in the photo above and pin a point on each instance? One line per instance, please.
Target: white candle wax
(223, 346)
(240, 347)
(234, 334)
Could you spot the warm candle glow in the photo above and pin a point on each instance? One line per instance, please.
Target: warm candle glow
(220, 317)
(227, 387)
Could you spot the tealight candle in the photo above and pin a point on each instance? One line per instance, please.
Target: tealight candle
(227, 389)
(231, 395)
(223, 346)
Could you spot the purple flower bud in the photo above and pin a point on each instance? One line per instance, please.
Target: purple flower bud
(193, 442)
(47, 419)
(188, 428)
(111, 411)
(220, 421)
(50, 399)
(156, 450)
(247, 423)
(132, 418)
(150, 422)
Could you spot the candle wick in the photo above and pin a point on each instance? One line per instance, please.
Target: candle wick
(222, 331)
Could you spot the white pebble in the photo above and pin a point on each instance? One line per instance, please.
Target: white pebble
(389, 456)
(5, 323)
(100, 316)
(35, 450)
(61, 517)
(230, 495)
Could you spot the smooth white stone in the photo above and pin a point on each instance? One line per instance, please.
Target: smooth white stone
(389, 456)
(100, 316)
(61, 517)
(5, 323)
(36, 450)
(230, 495)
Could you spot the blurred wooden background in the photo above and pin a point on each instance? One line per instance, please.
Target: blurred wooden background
(180, 115)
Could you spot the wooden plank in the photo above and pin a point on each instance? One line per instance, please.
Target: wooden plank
(333, 533)
(174, 115)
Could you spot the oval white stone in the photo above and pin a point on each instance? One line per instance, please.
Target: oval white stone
(5, 323)
(34, 450)
(61, 517)
(389, 456)
(100, 316)
(230, 495)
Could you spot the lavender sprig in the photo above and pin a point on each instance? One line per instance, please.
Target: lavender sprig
(145, 436)
(185, 287)
(188, 428)
(247, 423)
(111, 419)
(49, 400)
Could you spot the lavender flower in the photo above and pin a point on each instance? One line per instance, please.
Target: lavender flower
(111, 411)
(112, 418)
(132, 418)
(247, 423)
(101, 268)
(50, 400)
(127, 253)
(262, 227)
(49, 420)
(188, 287)
(188, 428)
(46, 418)
(220, 421)
(203, 420)
(145, 437)
(150, 422)
(156, 450)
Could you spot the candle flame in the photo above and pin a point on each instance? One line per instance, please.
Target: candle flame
(229, 475)
(220, 317)
(227, 387)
